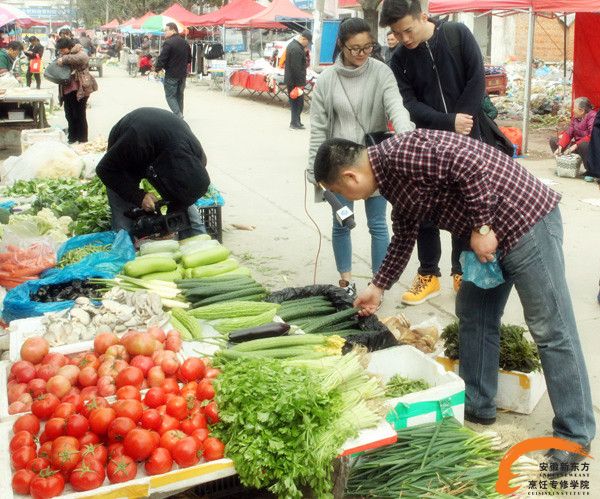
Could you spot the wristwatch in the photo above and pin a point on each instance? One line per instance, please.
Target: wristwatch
(484, 230)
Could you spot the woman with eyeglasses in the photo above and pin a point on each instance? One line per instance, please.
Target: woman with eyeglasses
(355, 97)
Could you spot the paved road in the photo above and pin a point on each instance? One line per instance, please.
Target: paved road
(258, 164)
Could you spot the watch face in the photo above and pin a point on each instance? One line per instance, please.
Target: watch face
(484, 230)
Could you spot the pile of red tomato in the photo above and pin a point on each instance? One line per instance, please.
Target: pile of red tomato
(85, 438)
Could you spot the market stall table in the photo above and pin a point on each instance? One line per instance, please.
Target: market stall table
(36, 98)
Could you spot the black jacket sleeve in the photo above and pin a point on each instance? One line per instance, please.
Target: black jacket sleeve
(295, 65)
(163, 57)
(474, 92)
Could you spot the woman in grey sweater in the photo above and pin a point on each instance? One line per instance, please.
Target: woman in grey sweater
(356, 96)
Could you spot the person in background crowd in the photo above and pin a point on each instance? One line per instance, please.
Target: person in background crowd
(576, 139)
(34, 50)
(153, 144)
(392, 43)
(118, 46)
(145, 64)
(174, 58)
(51, 45)
(74, 94)
(86, 42)
(440, 92)
(295, 75)
(145, 45)
(352, 98)
(9, 55)
(476, 191)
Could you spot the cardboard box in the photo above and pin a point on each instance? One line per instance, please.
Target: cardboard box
(16, 115)
(446, 397)
(517, 391)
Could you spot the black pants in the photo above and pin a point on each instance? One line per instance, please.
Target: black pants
(296, 105)
(583, 149)
(75, 114)
(38, 79)
(429, 250)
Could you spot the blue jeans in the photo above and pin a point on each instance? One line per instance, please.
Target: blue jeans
(376, 221)
(174, 94)
(118, 207)
(536, 268)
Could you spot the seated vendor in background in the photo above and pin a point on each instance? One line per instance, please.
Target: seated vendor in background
(156, 145)
(9, 55)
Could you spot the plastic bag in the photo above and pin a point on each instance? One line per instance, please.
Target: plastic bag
(484, 275)
(383, 338)
(18, 265)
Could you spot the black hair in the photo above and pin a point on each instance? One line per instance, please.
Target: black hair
(394, 10)
(33, 39)
(64, 43)
(584, 103)
(15, 45)
(65, 31)
(332, 156)
(173, 26)
(348, 28)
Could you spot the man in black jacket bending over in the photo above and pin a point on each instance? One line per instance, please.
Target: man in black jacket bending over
(174, 58)
(295, 74)
(440, 74)
(153, 144)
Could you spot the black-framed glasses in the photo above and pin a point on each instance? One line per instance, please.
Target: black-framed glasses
(367, 49)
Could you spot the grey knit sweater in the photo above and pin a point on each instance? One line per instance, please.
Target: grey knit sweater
(375, 97)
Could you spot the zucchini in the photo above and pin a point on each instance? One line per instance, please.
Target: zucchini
(264, 331)
(241, 295)
(164, 276)
(214, 269)
(206, 291)
(162, 254)
(235, 323)
(340, 326)
(279, 342)
(198, 245)
(302, 301)
(205, 257)
(168, 246)
(189, 284)
(231, 309)
(199, 237)
(201, 281)
(142, 266)
(323, 322)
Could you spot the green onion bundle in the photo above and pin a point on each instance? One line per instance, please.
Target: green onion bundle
(398, 386)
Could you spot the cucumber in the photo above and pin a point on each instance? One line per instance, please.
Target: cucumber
(169, 246)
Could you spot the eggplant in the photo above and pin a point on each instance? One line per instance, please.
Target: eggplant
(269, 330)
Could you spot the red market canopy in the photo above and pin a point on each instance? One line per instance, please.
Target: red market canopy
(279, 11)
(545, 6)
(10, 14)
(237, 9)
(111, 25)
(137, 23)
(184, 16)
(127, 23)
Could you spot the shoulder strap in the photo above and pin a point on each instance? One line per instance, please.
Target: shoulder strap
(350, 102)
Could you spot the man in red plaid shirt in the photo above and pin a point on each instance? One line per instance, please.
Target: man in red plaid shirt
(484, 197)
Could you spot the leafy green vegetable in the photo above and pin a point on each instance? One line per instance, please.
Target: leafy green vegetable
(516, 352)
(44, 223)
(399, 386)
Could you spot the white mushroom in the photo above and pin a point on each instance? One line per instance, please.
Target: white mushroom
(80, 315)
(104, 328)
(82, 300)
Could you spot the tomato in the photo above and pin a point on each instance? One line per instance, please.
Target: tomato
(36, 387)
(160, 461)
(213, 449)
(29, 423)
(115, 450)
(48, 483)
(170, 438)
(194, 421)
(46, 371)
(157, 333)
(45, 450)
(177, 407)
(155, 439)
(117, 352)
(104, 340)
(21, 457)
(21, 481)
(129, 392)
(89, 392)
(93, 403)
(173, 341)
(121, 469)
(96, 451)
(168, 423)
(212, 373)
(75, 399)
(64, 410)
(129, 408)
(88, 376)
(106, 386)
(77, 425)
(119, 428)
(88, 360)
(100, 420)
(55, 427)
(142, 362)
(21, 439)
(70, 372)
(170, 365)
(205, 390)
(65, 454)
(15, 390)
(154, 397)
(17, 408)
(155, 376)
(151, 419)
(23, 371)
(192, 369)
(89, 438)
(139, 343)
(138, 444)
(201, 434)
(211, 412)
(34, 349)
(88, 475)
(58, 385)
(55, 359)
(189, 389)
(130, 376)
(187, 452)
(38, 464)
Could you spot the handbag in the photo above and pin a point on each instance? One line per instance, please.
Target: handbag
(57, 74)
(567, 165)
(35, 64)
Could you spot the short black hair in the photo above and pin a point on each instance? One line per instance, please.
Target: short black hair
(33, 39)
(65, 31)
(307, 34)
(15, 45)
(173, 27)
(394, 10)
(64, 43)
(332, 156)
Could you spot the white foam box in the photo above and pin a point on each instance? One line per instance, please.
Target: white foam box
(446, 397)
(32, 136)
(517, 391)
